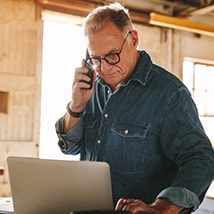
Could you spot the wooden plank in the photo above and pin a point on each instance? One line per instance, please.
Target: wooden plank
(17, 83)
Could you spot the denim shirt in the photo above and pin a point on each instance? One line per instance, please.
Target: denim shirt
(150, 134)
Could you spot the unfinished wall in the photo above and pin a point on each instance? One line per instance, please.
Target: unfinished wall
(20, 73)
(20, 51)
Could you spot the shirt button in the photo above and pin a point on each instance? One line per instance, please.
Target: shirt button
(126, 131)
(105, 115)
(99, 141)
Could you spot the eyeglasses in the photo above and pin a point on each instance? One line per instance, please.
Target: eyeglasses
(111, 58)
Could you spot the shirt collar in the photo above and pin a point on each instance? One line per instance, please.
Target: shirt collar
(141, 71)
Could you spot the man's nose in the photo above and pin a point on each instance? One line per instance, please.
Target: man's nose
(104, 66)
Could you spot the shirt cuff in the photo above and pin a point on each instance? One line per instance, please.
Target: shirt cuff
(72, 138)
(75, 131)
(181, 197)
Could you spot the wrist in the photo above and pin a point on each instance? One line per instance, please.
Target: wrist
(163, 206)
(72, 113)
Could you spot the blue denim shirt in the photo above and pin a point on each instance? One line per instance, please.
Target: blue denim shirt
(150, 134)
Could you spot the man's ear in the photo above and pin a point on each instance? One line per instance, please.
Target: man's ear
(134, 38)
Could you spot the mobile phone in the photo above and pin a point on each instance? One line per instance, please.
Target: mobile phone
(90, 72)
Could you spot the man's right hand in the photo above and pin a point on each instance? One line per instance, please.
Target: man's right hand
(80, 92)
(80, 95)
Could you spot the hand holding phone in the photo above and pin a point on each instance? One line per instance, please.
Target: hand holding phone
(90, 72)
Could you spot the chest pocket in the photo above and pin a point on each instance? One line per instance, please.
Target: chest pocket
(129, 130)
(127, 147)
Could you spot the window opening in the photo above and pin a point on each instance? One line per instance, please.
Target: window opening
(198, 77)
(63, 51)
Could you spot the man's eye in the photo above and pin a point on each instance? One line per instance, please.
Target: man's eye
(93, 62)
(111, 55)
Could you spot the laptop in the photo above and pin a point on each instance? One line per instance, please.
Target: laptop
(42, 186)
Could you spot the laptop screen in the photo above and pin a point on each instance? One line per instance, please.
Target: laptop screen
(55, 186)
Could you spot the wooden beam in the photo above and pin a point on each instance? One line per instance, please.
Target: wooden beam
(181, 24)
(80, 8)
(203, 10)
(83, 8)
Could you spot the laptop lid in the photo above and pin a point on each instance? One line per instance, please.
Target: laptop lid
(54, 186)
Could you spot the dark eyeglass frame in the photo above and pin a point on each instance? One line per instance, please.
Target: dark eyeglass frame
(98, 60)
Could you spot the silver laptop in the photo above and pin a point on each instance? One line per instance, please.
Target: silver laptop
(41, 186)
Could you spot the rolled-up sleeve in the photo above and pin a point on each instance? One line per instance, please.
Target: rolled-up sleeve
(185, 143)
(72, 138)
(181, 197)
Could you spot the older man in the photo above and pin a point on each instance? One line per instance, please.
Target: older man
(139, 118)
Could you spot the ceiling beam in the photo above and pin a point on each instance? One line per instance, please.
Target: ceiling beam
(203, 10)
(181, 24)
(83, 8)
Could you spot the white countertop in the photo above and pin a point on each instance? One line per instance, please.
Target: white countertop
(6, 203)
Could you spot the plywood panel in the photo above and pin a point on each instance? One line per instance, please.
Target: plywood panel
(17, 54)
(19, 61)
(9, 82)
(17, 125)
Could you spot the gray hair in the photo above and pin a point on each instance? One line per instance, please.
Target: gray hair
(99, 17)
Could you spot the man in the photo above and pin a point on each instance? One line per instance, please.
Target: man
(137, 117)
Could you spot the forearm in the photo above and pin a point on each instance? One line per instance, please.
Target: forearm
(71, 138)
(71, 117)
(69, 122)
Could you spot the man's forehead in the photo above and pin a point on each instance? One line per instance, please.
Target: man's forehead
(99, 44)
